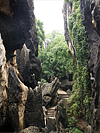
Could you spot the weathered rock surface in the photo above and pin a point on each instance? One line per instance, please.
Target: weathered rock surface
(56, 118)
(49, 91)
(33, 114)
(90, 10)
(20, 106)
(67, 10)
(3, 79)
(46, 43)
(17, 25)
(17, 97)
(31, 129)
(50, 88)
(66, 84)
(88, 129)
(29, 67)
(55, 114)
(22, 58)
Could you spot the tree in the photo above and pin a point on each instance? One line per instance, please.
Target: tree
(53, 34)
(56, 59)
(40, 32)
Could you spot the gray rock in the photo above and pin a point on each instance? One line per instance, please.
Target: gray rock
(66, 84)
(31, 129)
(49, 91)
(88, 129)
(50, 88)
(67, 10)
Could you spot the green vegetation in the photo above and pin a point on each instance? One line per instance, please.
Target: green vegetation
(80, 98)
(56, 59)
(75, 130)
(53, 34)
(40, 32)
(43, 81)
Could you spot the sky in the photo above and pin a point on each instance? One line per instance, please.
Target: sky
(50, 13)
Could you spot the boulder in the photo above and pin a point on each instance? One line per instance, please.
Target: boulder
(66, 84)
(88, 129)
(50, 88)
(33, 114)
(31, 129)
(49, 91)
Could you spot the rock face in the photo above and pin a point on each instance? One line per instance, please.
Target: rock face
(29, 67)
(67, 10)
(31, 129)
(46, 43)
(17, 25)
(33, 109)
(90, 10)
(20, 69)
(3, 78)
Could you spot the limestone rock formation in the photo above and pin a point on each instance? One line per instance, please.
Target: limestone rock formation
(20, 69)
(67, 10)
(66, 84)
(33, 114)
(55, 104)
(49, 91)
(90, 10)
(29, 67)
(18, 27)
(46, 43)
(3, 79)
(31, 129)
(17, 96)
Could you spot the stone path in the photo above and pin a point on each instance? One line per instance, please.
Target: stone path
(51, 111)
(62, 94)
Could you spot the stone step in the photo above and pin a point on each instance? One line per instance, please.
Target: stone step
(50, 115)
(51, 111)
(63, 96)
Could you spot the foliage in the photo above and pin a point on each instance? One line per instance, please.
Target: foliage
(40, 32)
(53, 34)
(43, 81)
(56, 59)
(71, 122)
(80, 98)
(75, 130)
